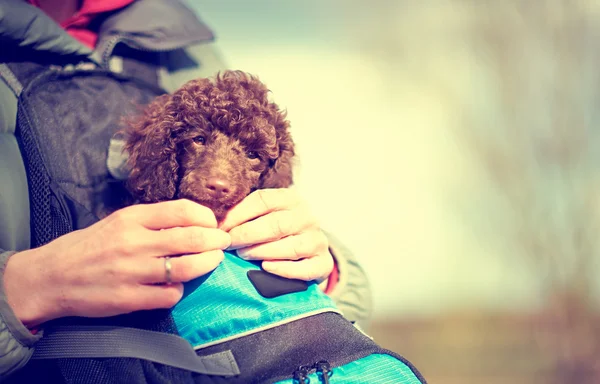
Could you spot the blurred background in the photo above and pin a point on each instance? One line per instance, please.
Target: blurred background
(452, 145)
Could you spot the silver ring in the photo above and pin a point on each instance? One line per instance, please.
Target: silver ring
(168, 270)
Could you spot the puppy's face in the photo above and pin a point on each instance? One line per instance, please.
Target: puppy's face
(212, 141)
(218, 169)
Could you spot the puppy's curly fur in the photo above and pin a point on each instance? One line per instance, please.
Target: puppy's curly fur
(213, 141)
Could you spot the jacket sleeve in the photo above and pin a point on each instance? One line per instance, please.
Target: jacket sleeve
(352, 293)
(196, 61)
(16, 341)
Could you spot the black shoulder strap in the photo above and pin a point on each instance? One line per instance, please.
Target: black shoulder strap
(80, 341)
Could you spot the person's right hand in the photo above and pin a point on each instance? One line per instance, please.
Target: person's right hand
(112, 267)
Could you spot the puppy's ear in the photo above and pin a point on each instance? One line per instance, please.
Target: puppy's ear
(279, 174)
(152, 153)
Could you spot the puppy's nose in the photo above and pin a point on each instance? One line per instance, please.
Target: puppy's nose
(218, 186)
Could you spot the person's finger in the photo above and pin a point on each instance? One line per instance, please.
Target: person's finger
(186, 240)
(273, 226)
(259, 203)
(315, 268)
(169, 214)
(183, 268)
(293, 247)
(148, 297)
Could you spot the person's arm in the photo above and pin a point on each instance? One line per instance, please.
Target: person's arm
(16, 341)
(107, 269)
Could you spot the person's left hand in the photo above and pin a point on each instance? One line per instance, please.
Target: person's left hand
(274, 225)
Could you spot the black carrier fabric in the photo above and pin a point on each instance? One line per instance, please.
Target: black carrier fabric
(265, 357)
(66, 119)
(64, 124)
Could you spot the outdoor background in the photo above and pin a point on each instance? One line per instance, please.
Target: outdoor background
(453, 146)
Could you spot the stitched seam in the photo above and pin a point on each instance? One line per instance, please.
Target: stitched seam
(11, 80)
(266, 327)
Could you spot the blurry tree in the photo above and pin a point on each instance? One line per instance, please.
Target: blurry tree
(539, 148)
(520, 82)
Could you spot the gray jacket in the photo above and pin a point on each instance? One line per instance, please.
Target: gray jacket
(188, 52)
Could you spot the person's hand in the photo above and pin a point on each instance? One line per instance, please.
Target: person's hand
(275, 225)
(113, 266)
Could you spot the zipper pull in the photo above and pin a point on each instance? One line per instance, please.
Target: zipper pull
(301, 375)
(324, 371)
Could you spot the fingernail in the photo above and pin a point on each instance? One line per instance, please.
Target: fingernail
(270, 267)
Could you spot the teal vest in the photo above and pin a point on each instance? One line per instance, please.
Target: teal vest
(225, 304)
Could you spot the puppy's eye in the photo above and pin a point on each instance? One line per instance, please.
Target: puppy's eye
(199, 139)
(252, 154)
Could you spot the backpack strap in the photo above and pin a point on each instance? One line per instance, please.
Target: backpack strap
(84, 341)
(11, 80)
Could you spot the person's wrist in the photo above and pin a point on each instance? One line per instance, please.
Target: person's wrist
(25, 289)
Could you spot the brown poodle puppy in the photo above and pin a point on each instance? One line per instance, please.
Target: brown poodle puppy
(213, 141)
